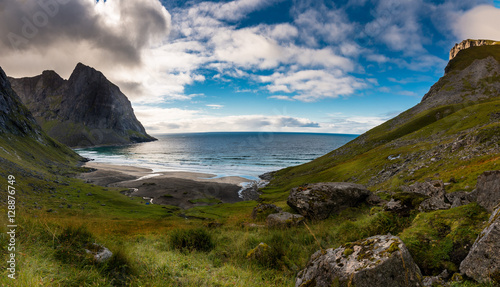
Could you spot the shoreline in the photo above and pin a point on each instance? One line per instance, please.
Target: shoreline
(178, 188)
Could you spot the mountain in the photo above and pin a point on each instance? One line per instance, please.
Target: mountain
(451, 135)
(85, 110)
(25, 149)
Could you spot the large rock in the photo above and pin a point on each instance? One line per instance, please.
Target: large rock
(460, 198)
(99, 252)
(427, 188)
(488, 189)
(284, 220)
(435, 192)
(319, 200)
(381, 260)
(483, 261)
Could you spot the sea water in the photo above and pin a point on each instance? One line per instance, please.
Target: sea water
(245, 154)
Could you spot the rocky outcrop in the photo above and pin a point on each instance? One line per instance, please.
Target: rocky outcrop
(320, 200)
(488, 189)
(483, 261)
(86, 110)
(15, 118)
(376, 261)
(435, 193)
(466, 44)
(283, 220)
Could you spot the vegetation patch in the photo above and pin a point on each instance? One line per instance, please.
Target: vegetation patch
(441, 239)
(197, 239)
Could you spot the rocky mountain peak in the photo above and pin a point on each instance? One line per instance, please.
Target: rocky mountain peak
(465, 44)
(85, 110)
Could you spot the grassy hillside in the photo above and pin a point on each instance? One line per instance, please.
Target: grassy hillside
(457, 140)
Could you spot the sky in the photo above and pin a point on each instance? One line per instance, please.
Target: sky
(249, 65)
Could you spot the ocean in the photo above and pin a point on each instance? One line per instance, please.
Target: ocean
(245, 154)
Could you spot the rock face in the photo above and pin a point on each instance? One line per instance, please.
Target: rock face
(488, 189)
(319, 200)
(284, 220)
(435, 192)
(465, 44)
(376, 261)
(86, 110)
(15, 118)
(483, 261)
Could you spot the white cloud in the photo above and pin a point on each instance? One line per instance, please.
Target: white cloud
(481, 22)
(282, 98)
(173, 120)
(231, 11)
(341, 123)
(313, 85)
(215, 107)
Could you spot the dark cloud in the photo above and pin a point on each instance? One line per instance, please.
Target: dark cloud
(36, 26)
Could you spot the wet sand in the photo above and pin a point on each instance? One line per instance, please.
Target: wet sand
(182, 189)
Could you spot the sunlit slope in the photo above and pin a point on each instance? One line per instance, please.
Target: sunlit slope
(452, 135)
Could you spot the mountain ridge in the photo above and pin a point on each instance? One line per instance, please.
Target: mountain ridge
(85, 110)
(452, 132)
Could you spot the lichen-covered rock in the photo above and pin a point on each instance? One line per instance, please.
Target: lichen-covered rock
(264, 209)
(100, 253)
(435, 192)
(396, 206)
(258, 251)
(483, 261)
(320, 200)
(460, 198)
(488, 189)
(284, 220)
(440, 280)
(434, 203)
(381, 260)
(427, 188)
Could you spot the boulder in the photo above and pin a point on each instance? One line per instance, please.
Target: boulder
(259, 252)
(374, 199)
(483, 261)
(434, 203)
(435, 192)
(320, 200)
(427, 188)
(264, 209)
(488, 189)
(381, 260)
(460, 198)
(440, 280)
(99, 252)
(284, 220)
(396, 206)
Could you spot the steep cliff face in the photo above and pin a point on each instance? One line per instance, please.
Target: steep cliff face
(14, 117)
(466, 44)
(86, 110)
(25, 149)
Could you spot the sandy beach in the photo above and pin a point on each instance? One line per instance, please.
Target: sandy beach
(182, 189)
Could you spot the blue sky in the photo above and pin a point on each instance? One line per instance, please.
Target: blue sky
(261, 65)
